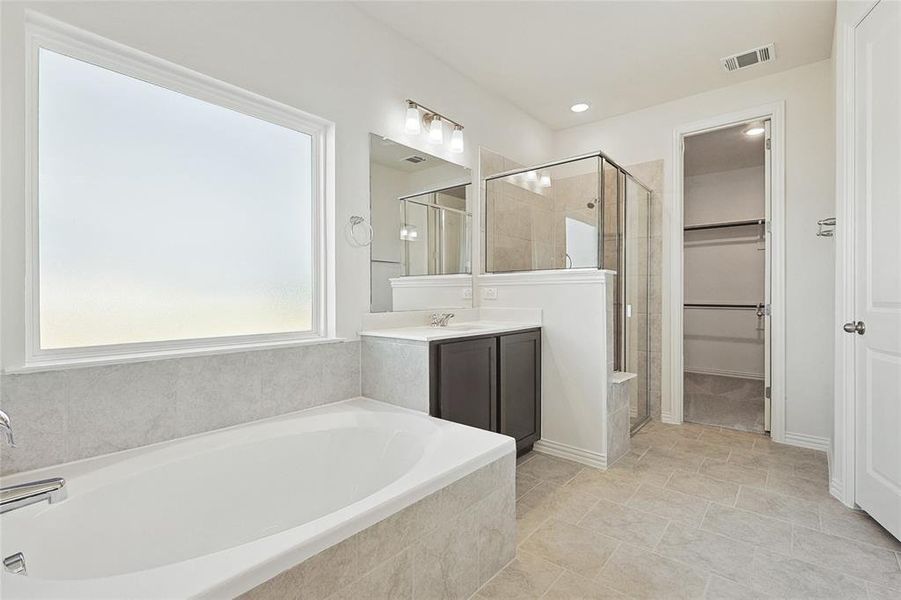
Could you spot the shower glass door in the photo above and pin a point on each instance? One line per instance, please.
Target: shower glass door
(635, 219)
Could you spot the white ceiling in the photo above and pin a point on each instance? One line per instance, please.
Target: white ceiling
(723, 150)
(618, 56)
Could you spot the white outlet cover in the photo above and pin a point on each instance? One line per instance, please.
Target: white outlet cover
(467, 293)
(489, 293)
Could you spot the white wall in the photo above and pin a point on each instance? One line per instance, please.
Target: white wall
(807, 91)
(724, 265)
(326, 58)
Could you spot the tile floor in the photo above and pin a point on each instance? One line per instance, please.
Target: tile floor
(733, 402)
(693, 512)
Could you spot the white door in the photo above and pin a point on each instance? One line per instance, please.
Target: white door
(877, 243)
(768, 212)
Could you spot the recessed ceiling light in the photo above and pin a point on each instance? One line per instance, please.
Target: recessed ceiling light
(579, 107)
(755, 130)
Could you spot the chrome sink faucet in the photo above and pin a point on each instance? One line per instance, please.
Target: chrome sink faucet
(24, 494)
(440, 319)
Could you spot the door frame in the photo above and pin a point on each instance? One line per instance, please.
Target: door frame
(775, 113)
(842, 457)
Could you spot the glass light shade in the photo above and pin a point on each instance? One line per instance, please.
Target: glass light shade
(456, 144)
(532, 176)
(436, 131)
(411, 123)
(545, 181)
(409, 233)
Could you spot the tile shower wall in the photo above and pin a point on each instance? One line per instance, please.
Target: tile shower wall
(60, 416)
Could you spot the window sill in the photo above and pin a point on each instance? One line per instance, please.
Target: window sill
(58, 364)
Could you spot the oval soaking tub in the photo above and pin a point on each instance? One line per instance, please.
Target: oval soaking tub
(216, 514)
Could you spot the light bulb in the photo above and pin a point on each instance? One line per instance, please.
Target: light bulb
(411, 123)
(436, 131)
(456, 145)
(545, 181)
(579, 107)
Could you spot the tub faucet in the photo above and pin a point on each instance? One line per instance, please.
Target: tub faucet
(24, 494)
(7, 429)
(440, 319)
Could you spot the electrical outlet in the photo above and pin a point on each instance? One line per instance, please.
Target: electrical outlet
(467, 293)
(489, 293)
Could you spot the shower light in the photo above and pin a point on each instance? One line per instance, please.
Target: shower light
(456, 144)
(545, 181)
(579, 107)
(436, 131)
(755, 130)
(411, 123)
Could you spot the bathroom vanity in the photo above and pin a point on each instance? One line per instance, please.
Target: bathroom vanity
(478, 373)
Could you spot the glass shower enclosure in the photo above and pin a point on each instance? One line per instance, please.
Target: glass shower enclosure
(581, 212)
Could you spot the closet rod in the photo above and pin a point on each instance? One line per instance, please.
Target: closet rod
(722, 225)
(725, 306)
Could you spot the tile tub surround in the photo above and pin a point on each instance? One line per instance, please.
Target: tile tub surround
(620, 389)
(444, 546)
(693, 511)
(395, 371)
(61, 416)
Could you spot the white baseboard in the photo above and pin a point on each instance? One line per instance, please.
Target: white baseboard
(836, 489)
(807, 441)
(585, 457)
(668, 418)
(724, 373)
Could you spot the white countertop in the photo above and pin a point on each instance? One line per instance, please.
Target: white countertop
(463, 329)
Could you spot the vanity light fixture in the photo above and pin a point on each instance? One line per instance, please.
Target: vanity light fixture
(532, 176)
(436, 130)
(456, 144)
(416, 115)
(545, 181)
(579, 107)
(411, 123)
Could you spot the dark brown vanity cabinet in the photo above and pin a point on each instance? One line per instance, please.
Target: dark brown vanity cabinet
(490, 382)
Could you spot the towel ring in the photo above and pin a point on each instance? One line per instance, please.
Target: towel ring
(353, 233)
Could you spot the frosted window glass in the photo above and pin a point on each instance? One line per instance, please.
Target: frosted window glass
(164, 217)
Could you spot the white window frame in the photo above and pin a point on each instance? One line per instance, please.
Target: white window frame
(50, 34)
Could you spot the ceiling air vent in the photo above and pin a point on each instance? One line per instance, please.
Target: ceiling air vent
(749, 58)
(415, 159)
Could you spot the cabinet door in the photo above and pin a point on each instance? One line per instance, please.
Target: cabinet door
(520, 387)
(467, 382)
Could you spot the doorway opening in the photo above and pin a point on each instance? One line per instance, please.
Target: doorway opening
(726, 253)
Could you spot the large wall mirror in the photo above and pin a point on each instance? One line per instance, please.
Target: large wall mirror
(421, 213)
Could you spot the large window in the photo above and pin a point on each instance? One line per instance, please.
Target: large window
(163, 219)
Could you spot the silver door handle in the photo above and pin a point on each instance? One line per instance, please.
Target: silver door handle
(857, 327)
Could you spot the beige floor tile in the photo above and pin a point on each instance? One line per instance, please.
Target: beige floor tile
(646, 471)
(613, 485)
(779, 506)
(547, 468)
(783, 577)
(856, 525)
(528, 519)
(575, 548)
(879, 592)
(642, 574)
(749, 527)
(525, 458)
(707, 551)
(525, 483)
(792, 485)
(696, 484)
(561, 502)
(846, 556)
(720, 588)
(527, 576)
(625, 524)
(710, 450)
(726, 471)
(575, 587)
(732, 439)
(669, 504)
(674, 458)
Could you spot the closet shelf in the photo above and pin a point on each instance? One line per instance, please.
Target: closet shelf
(724, 225)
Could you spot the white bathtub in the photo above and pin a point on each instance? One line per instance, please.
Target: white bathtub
(216, 514)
